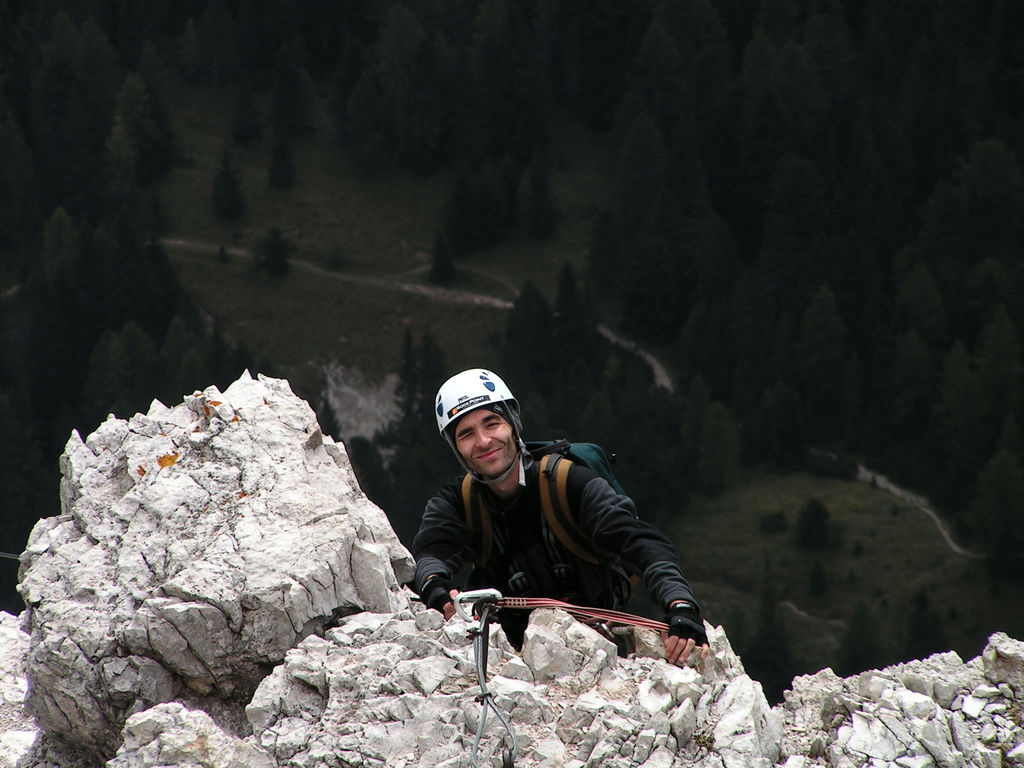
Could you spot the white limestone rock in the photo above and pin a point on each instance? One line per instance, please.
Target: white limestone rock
(17, 730)
(1004, 662)
(195, 546)
(171, 734)
(356, 688)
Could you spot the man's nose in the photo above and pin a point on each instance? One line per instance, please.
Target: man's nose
(482, 439)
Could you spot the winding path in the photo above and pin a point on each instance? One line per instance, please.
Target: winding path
(661, 376)
(866, 475)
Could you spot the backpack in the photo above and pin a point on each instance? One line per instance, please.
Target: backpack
(555, 456)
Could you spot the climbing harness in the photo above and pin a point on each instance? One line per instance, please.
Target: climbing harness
(483, 601)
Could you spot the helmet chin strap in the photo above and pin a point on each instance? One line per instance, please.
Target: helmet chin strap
(501, 478)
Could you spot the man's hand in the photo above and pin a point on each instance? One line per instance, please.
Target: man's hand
(685, 633)
(438, 593)
(449, 607)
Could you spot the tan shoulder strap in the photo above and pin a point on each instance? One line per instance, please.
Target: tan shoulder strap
(478, 521)
(553, 487)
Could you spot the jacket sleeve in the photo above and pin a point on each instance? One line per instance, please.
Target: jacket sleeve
(442, 537)
(612, 522)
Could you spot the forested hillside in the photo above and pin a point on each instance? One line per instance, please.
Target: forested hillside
(812, 210)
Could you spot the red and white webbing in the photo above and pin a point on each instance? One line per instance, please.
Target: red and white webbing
(583, 613)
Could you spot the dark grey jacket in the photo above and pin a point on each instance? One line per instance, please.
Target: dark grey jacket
(528, 560)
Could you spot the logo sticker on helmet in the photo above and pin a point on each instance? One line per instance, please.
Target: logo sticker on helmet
(468, 404)
(489, 385)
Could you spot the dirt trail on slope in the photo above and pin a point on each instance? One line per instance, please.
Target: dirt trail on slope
(436, 293)
(866, 475)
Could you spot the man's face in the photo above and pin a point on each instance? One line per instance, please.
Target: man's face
(486, 442)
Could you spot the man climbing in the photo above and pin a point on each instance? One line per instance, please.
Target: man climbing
(495, 521)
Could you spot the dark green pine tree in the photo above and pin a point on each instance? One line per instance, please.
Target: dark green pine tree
(281, 174)
(528, 354)
(975, 216)
(579, 352)
(57, 341)
(797, 228)
(925, 629)
(109, 371)
(821, 355)
(812, 529)
(540, 213)
(600, 41)
(183, 361)
(861, 643)
(964, 438)
(273, 252)
(442, 264)
(1000, 373)
(364, 127)
(415, 75)
(228, 202)
(21, 475)
(420, 462)
(291, 107)
(720, 447)
(996, 514)
(18, 202)
(769, 659)
(656, 86)
(650, 228)
(775, 431)
(915, 386)
(246, 121)
(503, 109)
(159, 147)
(920, 306)
(73, 94)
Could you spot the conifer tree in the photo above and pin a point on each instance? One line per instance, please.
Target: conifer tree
(246, 123)
(821, 354)
(539, 210)
(227, 190)
(18, 204)
(282, 162)
(996, 515)
(291, 100)
(925, 629)
(190, 53)
(73, 94)
(1000, 372)
(442, 266)
(861, 643)
(768, 658)
(528, 353)
(273, 252)
(914, 389)
(720, 448)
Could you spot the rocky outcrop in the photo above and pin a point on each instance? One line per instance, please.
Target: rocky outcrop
(218, 592)
(195, 546)
(17, 731)
(938, 711)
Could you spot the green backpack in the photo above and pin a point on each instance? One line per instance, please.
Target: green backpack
(555, 456)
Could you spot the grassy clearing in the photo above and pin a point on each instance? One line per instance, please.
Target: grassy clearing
(882, 553)
(381, 225)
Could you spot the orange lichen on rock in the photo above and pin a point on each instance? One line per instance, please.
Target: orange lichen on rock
(168, 459)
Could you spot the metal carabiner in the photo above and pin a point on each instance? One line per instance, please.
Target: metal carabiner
(475, 597)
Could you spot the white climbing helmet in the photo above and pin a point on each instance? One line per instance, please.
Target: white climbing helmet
(469, 390)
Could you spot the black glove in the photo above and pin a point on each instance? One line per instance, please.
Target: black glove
(684, 621)
(437, 592)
